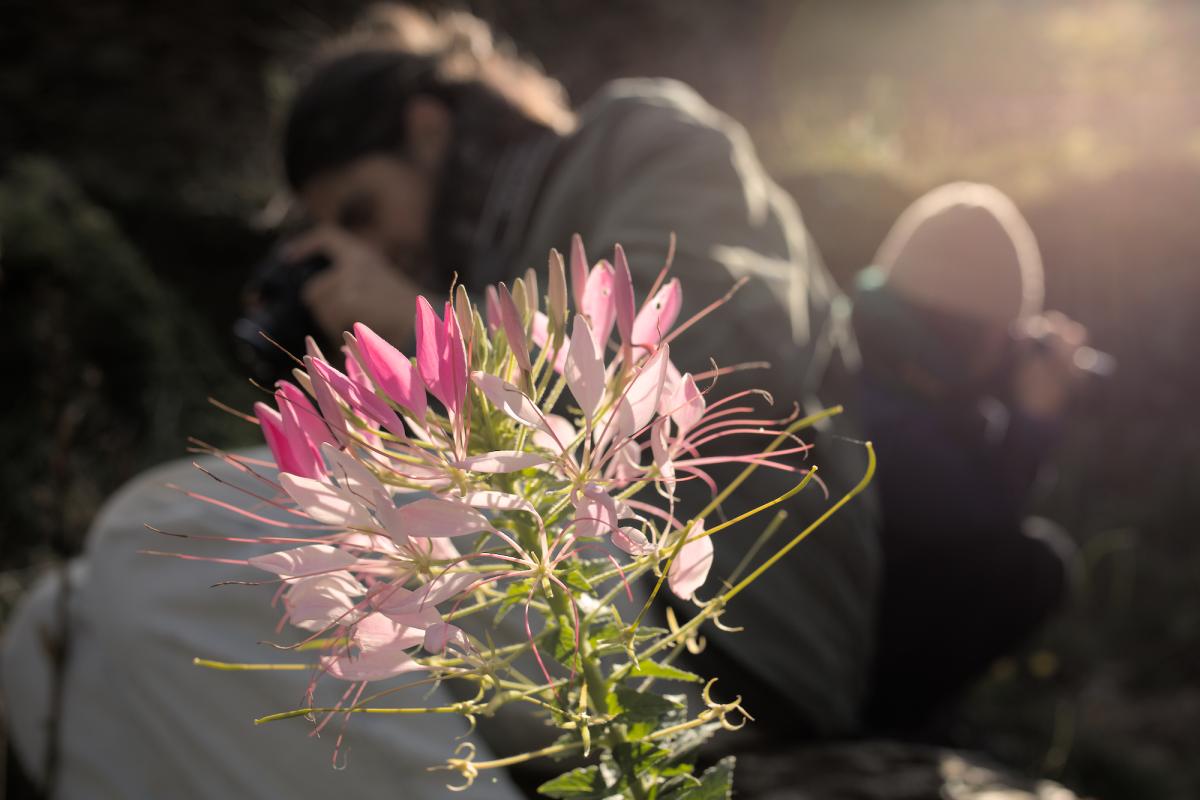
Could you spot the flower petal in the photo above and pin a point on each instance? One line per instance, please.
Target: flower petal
(632, 541)
(509, 399)
(320, 601)
(434, 517)
(584, 369)
(308, 560)
(691, 566)
(325, 503)
(391, 371)
(597, 304)
(499, 461)
(658, 316)
(623, 297)
(379, 651)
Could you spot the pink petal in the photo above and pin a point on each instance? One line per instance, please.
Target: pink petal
(584, 369)
(351, 474)
(595, 513)
(318, 602)
(623, 296)
(514, 331)
(509, 399)
(310, 559)
(380, 644)
(597, 304)
(305, 452)
(436, 549)
(362, 401)
(453, 371)
(558, 434)
(281, 448)
(670, 388)
(499, 461)
(492, 304)
(632, 541)
(501, 501)
(403, 604)
(306, 416)
(579, 271)
(626, 464)
(442, 635)
(691, 566)
(354, 370)
(391, 371)
(325, 503)
(331, 410)
(429, 348)
(658, 316)
(687, 405)
(640, 402)
(435, 517)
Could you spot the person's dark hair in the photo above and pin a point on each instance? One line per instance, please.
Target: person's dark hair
(354, 99)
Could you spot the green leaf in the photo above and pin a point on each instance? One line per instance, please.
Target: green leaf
(684, 742)
(652, 669)
(585, 783)
(577, 580)
(635, 706)
(610, 639)
(516, 593)
(640, 755)
(715, 784)
(565, 646)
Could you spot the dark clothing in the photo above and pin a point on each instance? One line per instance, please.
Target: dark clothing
(962, 584)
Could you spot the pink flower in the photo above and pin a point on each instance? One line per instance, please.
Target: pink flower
(441, 356)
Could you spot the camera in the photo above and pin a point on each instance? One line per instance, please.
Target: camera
(276, 320)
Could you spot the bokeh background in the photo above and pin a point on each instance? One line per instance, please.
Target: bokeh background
(137, 153)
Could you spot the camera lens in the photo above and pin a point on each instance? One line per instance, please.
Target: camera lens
(276, 320)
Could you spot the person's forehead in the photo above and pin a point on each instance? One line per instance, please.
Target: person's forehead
(330, 190)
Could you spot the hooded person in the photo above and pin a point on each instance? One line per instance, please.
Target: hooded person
(964, 382)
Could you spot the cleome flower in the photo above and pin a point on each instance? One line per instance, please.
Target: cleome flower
(528, 456)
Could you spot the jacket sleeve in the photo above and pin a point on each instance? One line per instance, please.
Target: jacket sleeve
(673, 164)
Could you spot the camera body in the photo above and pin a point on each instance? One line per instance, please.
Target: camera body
(276, 319)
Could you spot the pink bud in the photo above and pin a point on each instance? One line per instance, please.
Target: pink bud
(579, 270)
(514, 331)
(391, 371)
(623, 299)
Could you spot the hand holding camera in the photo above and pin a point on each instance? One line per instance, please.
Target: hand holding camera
(359, 286)
(320, 282)
(1052, 359)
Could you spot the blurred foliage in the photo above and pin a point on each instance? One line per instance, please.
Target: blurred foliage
(108, 371)
(1025, 93)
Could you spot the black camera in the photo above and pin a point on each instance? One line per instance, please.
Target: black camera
(276, 320)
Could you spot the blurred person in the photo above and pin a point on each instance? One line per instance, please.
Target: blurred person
(965, 384)
(419, 148)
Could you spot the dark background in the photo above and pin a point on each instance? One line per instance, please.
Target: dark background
(137, 150)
